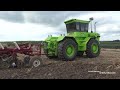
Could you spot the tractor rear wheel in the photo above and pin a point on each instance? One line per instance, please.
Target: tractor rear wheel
(93, 48)
(67, 50)
(80, 53)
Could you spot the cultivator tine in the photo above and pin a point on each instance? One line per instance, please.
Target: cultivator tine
(16, 45)
(1, 46)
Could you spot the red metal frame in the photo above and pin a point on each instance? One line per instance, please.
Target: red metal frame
(24, 49)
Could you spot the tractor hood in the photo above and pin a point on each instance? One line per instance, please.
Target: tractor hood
(52, 39)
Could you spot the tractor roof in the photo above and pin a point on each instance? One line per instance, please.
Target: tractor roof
(75, 20)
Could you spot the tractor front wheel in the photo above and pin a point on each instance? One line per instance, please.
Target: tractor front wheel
(67, 50)
(93, 48)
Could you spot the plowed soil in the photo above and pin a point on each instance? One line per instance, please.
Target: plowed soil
(106, 66)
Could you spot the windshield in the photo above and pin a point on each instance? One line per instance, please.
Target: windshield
(81, 27)
(71, 27)
(84, 27)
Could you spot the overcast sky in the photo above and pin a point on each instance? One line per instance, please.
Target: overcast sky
(37, 25)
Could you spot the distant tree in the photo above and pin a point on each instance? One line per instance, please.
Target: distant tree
(116, 40)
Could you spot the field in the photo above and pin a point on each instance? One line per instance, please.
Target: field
(104, 44)
(110, 44)
(108, 65)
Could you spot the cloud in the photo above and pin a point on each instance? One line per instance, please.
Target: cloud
(37, 25)
(23, 31)
(12, 16)
(52, 18)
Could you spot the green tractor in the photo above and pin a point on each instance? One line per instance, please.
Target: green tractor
(77, 41)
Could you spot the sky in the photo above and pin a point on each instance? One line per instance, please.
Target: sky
(37, 25)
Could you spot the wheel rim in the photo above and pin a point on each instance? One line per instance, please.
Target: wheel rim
(70, 50)
(36, 63)
(94, 48)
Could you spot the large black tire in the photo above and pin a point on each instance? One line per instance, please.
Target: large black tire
(80, 53)
(89, 51)
(62, 47)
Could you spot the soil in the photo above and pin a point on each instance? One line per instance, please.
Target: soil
(106, 66)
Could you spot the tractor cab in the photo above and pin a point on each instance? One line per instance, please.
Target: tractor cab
(75, 25)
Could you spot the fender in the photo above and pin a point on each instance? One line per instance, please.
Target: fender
(60, 38)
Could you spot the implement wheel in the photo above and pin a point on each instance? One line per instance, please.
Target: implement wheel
(35, 61)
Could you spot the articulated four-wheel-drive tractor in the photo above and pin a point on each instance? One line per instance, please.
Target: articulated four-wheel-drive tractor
(77, 41)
